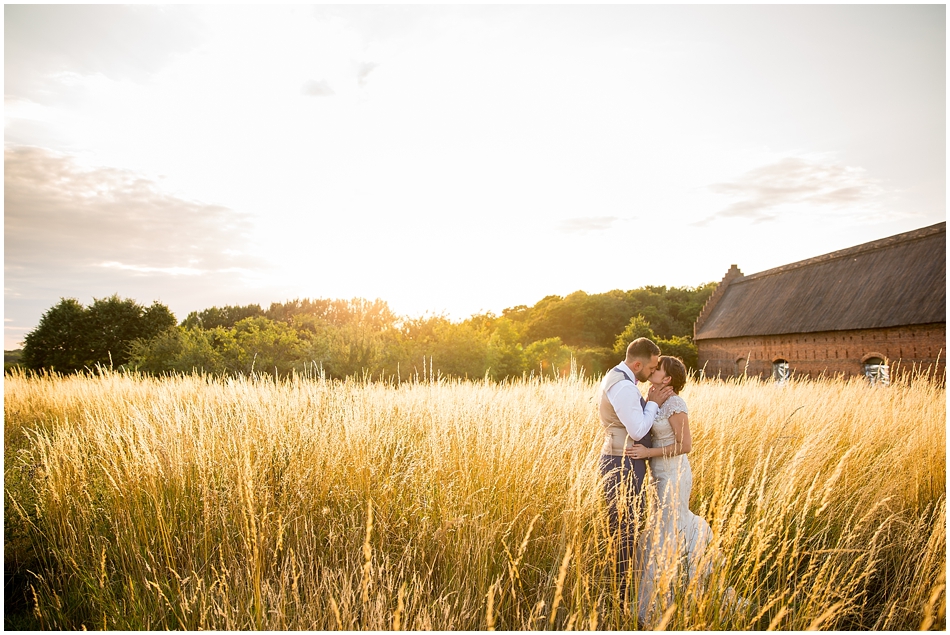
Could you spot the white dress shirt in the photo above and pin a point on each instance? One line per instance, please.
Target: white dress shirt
(624, 396)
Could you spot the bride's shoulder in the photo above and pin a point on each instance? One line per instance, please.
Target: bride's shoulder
(676, 404)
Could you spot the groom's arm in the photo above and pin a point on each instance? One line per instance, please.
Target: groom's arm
(624, 396)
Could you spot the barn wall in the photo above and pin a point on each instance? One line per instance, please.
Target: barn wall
(830, 352)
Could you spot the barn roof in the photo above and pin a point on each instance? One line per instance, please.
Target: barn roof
(896, 281)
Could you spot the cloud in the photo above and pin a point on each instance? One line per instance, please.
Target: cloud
(763, 193)
(585, 224)
(84, 233)
(171, 271)
(47, 45)
(59, 217)
(365, 69)
(314, 88)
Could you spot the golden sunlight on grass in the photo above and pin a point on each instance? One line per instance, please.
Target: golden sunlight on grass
(199, 503)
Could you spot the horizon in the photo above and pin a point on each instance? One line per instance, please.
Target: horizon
(264, 305)
(454, 160)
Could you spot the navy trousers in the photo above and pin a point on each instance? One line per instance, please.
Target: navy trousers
(623, 490)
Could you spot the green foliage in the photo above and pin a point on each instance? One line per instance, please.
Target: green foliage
(12, 360)
(373, 315)
(637, 327)
(579, 319)
(71, 337)
(182, 350)
(459, 350)
(57, 342)
(265, 346)
(255, 344)
(155, 319)
(676, 346)
(505, 353)
(585, 320)
(159, 354)
(110, 325)
(682, 347)
(225, 317)
(547, 357)
(595, 360)
(670, 311)
(357, 337)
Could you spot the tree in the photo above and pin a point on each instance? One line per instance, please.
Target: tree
(361, 337)
(71, 337)
(459, 350)
(682, 347)
(159, 354)
(225, 317)
(57, 341)
(110, 326)
(595, 361)
(547, 356)
(580, 319)
(637, 327)
(505, 353)
(157, 318)
(266, 346)
(184, 350)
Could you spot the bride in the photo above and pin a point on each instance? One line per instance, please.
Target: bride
(675, 538)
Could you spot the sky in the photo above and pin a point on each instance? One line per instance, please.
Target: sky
(450, 159)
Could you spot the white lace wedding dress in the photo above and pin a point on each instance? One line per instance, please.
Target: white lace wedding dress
(674, 538)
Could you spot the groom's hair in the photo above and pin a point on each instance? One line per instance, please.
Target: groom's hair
(641, 348)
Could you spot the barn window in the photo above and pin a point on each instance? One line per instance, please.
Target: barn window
(877, 372)
(740, 366)
(780, 371)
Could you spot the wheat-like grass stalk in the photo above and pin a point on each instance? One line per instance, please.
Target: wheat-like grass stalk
(194, 502)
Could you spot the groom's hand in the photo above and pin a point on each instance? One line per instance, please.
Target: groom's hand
(659, 395)
(637, 451)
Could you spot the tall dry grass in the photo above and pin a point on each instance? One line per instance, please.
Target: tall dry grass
(197, 503)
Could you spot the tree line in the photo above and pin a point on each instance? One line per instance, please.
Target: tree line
(347, 338)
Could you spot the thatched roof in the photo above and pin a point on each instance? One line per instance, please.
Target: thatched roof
(896, 281)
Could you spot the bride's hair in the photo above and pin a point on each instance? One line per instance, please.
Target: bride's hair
(673, 366)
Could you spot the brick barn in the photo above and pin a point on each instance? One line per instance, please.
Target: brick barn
(874, 309)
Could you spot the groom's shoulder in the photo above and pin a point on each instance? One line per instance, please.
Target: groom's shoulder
(615, 377)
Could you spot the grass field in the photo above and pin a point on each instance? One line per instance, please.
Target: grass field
(200, 503)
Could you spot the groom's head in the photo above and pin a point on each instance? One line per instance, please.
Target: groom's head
(642, 357)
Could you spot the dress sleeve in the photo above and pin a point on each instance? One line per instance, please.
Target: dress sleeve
(676, 404)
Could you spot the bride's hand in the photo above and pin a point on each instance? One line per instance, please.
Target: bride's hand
(637, 451)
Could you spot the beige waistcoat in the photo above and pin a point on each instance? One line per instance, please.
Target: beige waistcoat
(615, 435)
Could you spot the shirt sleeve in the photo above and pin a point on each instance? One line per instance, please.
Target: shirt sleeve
(624, 396)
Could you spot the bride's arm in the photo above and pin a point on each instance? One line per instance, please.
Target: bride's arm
(683, 443)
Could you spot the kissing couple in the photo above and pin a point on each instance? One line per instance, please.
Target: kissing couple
(655, 429)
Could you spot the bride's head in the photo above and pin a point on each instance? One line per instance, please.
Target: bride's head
(670, 371)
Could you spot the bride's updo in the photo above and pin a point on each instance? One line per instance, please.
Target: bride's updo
(674, 368)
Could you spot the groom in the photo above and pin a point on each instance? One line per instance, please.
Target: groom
(627, 418)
